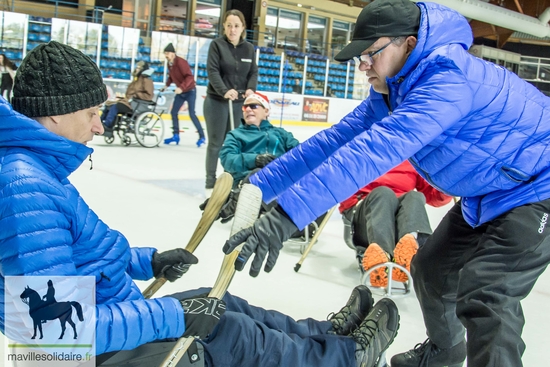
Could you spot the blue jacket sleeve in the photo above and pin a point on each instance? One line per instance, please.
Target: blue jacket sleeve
(140, 266)
(297, 163)
(126, 325)
(333, 165)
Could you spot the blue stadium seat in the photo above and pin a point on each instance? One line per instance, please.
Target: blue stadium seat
(44, 37)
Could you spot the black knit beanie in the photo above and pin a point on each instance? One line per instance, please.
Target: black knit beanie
(56, 79)
(170, 48)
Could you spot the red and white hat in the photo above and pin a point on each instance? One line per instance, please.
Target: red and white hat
(261, 98)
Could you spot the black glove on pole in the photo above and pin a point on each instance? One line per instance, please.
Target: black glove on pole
(227, 212)
(265, 237)
(172, 264)
(263, 160)
(202, 314)
(228, 209)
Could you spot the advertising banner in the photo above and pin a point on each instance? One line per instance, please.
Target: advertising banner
(315, 109)
(287, 107)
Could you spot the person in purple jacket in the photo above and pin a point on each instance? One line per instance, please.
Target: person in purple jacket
(47, 229)
(473, 130)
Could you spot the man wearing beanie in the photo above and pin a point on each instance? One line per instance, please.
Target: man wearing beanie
(472, 129)
(47, 229)
(180, 74)
(44, 220)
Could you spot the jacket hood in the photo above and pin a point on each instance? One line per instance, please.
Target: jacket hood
(435, 32)
(62, 155)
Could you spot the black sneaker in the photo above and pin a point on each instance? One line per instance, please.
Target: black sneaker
(353, 313)
(428, 354)
(376, 333)
(108, 131)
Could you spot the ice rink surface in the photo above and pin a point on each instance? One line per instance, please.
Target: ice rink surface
(152, 196)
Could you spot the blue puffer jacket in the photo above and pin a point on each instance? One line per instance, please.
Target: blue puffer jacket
(46, 228)
(471, 128)
(242, 145)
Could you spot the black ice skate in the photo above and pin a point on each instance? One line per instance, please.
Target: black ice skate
(353, 313)
(428, 354)
(376, 333)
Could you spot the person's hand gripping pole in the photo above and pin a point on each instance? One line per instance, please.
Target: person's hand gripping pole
(219, 196)
(248, 208)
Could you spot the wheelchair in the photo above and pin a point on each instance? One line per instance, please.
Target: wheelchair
(142, 123)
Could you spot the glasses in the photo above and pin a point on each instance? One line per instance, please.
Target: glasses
(367, 58)
(252, 106)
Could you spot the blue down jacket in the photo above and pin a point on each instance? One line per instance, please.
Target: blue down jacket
(469, 127)
(46, 228)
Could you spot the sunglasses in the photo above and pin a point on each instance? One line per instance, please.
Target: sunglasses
(252, 106)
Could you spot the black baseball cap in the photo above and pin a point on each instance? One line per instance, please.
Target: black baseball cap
(381, 18)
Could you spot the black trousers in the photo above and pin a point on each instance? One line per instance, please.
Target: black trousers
(218, 124)
(151, 355)
(383, 218)
(473, 279)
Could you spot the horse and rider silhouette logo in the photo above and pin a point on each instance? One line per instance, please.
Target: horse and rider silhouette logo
(43, 309)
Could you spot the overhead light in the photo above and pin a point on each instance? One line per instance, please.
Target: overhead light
(299, 5)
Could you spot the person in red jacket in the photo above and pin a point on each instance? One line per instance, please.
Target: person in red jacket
(387, 211)
(180, 74)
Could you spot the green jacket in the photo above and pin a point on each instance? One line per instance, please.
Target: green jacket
(242, 145)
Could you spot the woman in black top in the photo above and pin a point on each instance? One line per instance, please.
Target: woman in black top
(7, 68)
(232, 75)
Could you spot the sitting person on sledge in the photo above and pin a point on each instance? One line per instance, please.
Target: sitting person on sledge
(389, 220)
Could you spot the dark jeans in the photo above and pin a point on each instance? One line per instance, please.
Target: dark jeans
(383, 218)
(218, 124)
(473, 279)
(110, 112)
(179, 99)
(249, 336)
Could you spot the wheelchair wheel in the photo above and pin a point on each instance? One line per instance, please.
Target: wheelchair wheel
(109, 139)
(149, 129)
(126, 140)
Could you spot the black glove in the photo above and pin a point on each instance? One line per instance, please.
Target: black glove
(228, 209)
(227, 212)
(202, 314)
(263, 160)
(203, 205)
(266, 235)
(172, 264)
